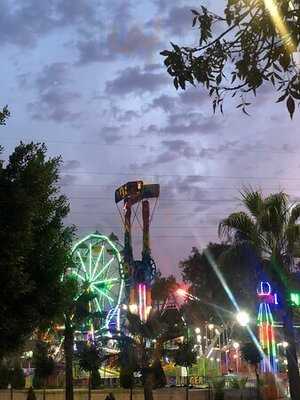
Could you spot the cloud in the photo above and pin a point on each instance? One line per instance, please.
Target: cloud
(111, 134)
(135, 42)
(178, 20)
(186, 123)
(56, 74)
(135, 80)
(165, 102)
(70, 164)
(187, 98)
(55, 104)
(25, 24)
(54, 100)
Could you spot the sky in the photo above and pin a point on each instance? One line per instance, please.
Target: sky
(86, 78)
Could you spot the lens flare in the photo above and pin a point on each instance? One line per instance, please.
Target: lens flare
(280, 25)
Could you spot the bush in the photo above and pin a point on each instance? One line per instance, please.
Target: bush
(126, 378)
(37, 382)
(95, 379)
(17, 378)
(4, 376)
(219, 386)
(31, 394)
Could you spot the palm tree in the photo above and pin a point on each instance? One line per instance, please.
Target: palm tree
(185, 356)
(158, 331)
(90, 360)
(252, 355)
(269, 227)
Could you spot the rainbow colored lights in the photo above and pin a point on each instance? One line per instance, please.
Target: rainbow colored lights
(265, 324)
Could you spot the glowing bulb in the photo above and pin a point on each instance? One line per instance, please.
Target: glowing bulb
(243, 318)
(198, 331)
(285, 344)
(181, 292)
(236, 345)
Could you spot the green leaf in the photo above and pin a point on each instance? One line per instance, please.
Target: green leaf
(290, 103)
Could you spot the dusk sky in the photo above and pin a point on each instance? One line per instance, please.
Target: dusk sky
(86, 78)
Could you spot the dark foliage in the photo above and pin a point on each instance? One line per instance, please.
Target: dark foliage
(4, 114)
(251, 354)
(249, 45)
(31, 394)
(238, 271)
(185, 356)
(43, 363)
(4, 376)
(34, 243)
(17, 378)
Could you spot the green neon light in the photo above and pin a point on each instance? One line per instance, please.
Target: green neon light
(92, 262)
(103, 293)
(98, 304)
(97, 261)
(295, 298)
(82, 263)
(104, 268)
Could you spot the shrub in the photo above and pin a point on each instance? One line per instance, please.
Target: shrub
(4, 376)
(17, 378)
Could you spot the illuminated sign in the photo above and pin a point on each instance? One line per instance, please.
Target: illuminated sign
(295, 299)
(265, 294)
(129, 190)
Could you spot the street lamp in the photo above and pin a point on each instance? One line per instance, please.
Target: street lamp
(243, 318)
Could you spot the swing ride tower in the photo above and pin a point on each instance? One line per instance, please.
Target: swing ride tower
(138, 274)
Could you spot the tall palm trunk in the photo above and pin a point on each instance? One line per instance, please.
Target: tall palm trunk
(291, 353)
(68, 349)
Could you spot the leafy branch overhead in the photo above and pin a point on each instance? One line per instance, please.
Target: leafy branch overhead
(253, 43)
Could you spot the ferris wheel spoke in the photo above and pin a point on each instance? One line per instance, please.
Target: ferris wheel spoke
(104, 268)
(97, 262)
(98, 304)
(79, 276)
(103, 293)
(90, 260)
(105, 281)
(82, 263)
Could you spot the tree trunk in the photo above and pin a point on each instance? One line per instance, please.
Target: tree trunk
(148, 393)
(68, 349)
(130, 392)
(187, 384)
(257, 383)
(291, 353)
(90, 387)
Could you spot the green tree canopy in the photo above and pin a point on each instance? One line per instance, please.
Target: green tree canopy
(43, 363)
(162, 287)
(214, 304)
(250, 44)
(270, 227)
(35, 243)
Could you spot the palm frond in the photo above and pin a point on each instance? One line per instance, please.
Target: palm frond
(253, 201)
(237, 222)
(276, 214)
(294, 214)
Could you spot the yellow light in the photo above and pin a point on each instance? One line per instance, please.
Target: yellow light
(279, 24)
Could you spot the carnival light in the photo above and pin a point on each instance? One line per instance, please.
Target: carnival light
(243, 318)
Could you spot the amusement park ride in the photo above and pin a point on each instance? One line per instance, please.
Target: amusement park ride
(117, 281)
(109, 271)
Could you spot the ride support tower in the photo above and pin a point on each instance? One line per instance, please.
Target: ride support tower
(139, 274)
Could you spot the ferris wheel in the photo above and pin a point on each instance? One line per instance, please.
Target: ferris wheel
(98, 270)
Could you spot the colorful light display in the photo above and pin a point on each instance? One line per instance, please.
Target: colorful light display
(98, 269)
(265, 323)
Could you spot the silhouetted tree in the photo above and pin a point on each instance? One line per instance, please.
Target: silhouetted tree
(251, 43)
